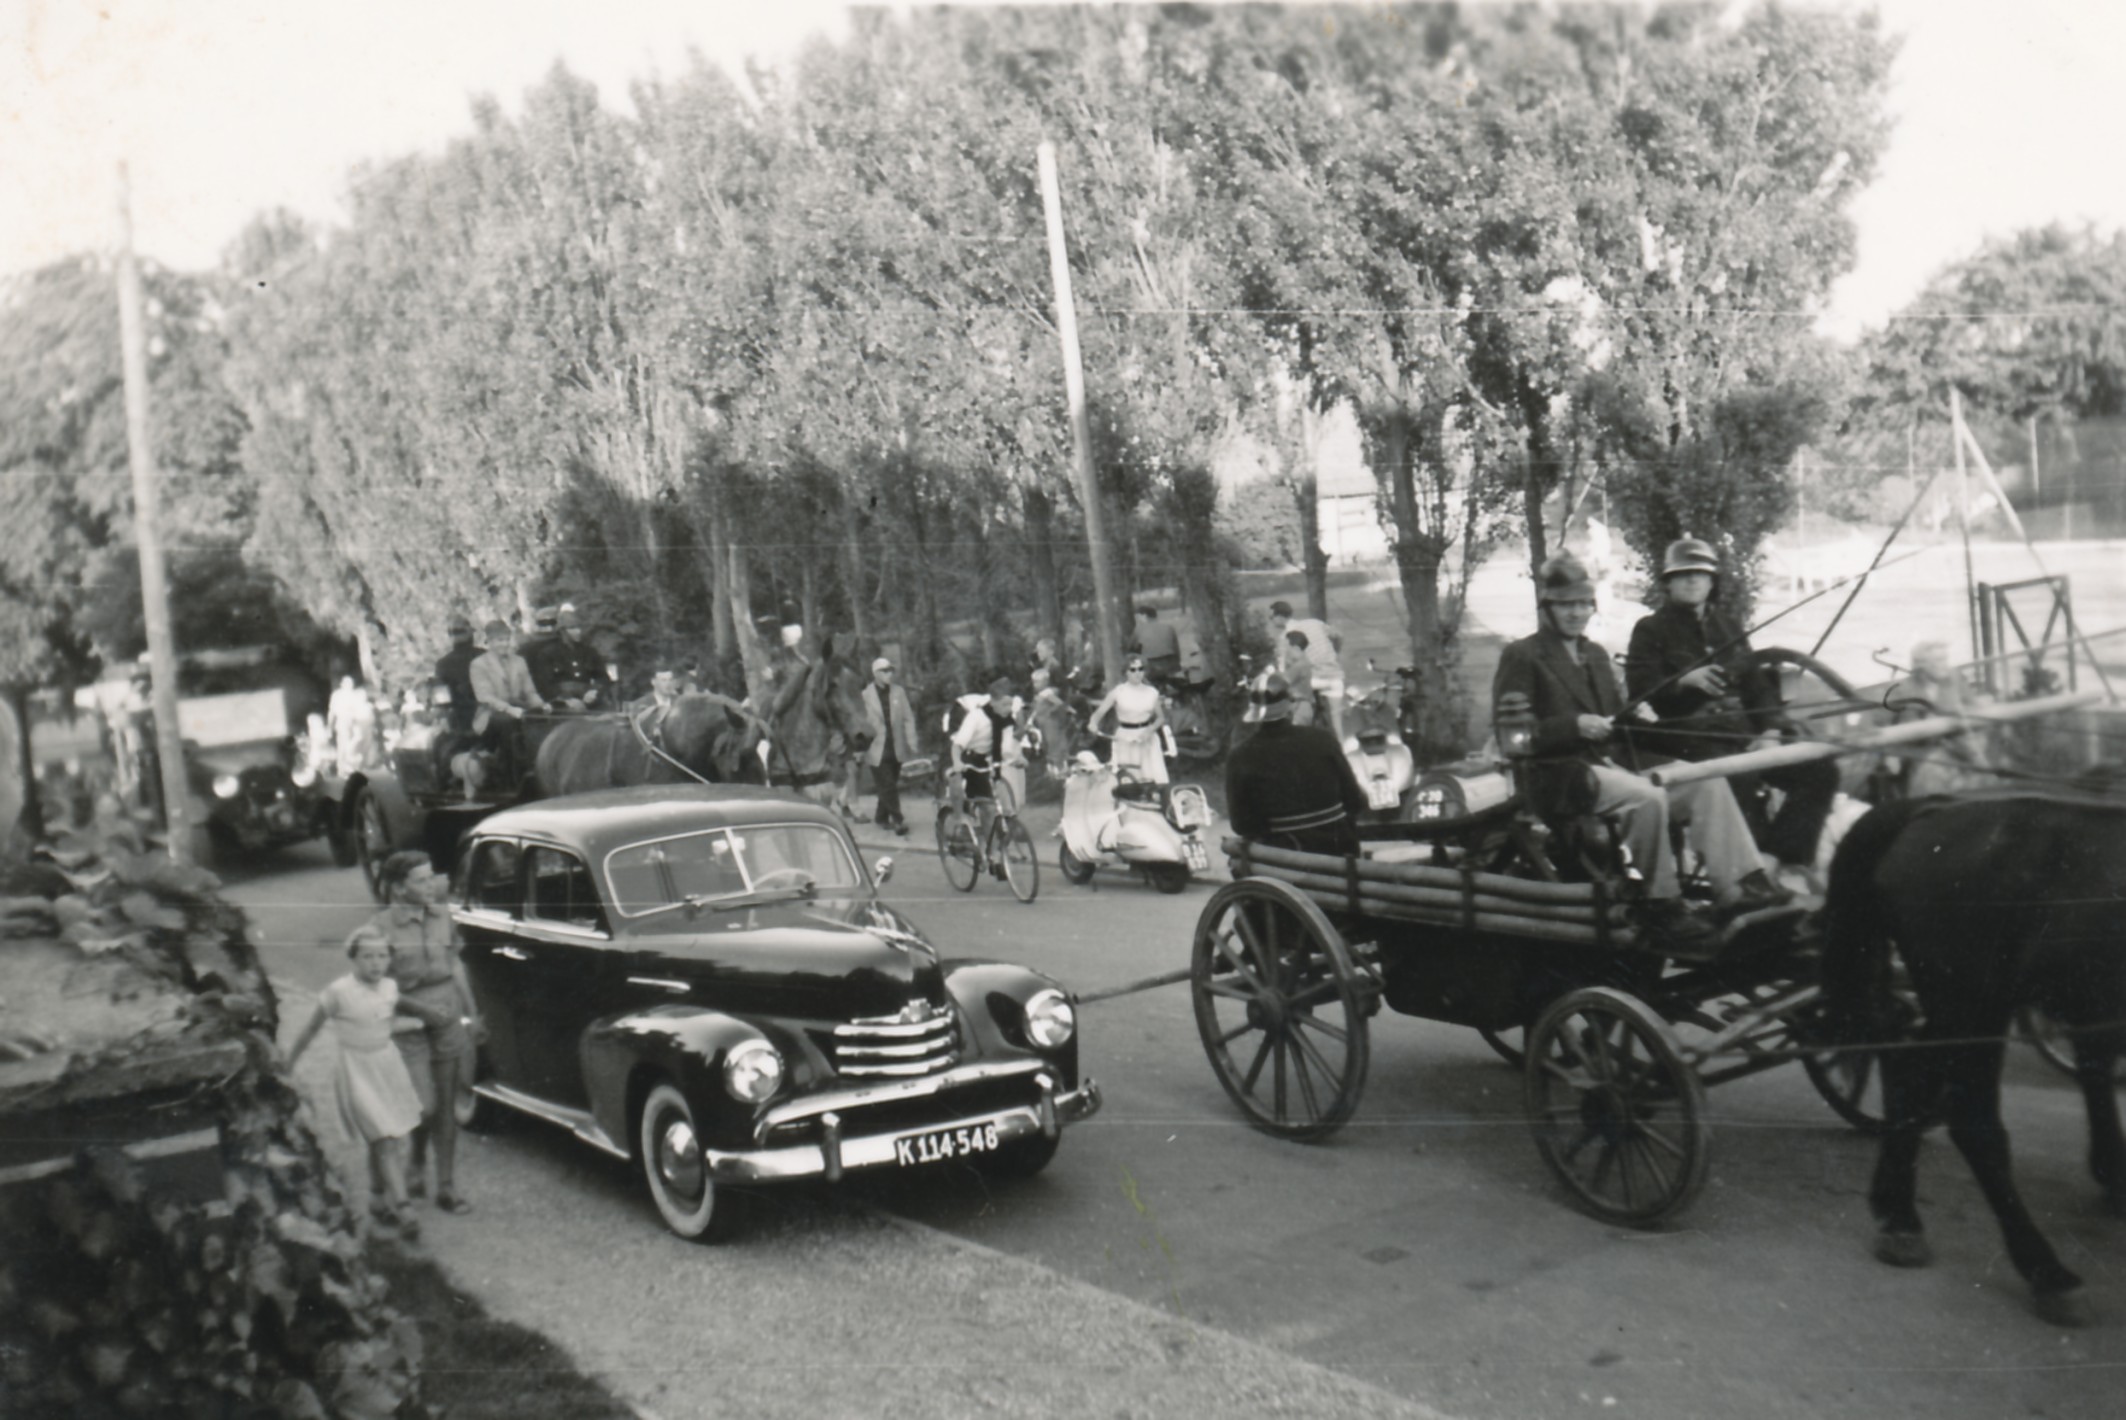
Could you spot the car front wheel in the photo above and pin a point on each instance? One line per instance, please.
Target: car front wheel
(676, 1168)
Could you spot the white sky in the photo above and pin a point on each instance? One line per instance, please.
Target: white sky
(227, 107)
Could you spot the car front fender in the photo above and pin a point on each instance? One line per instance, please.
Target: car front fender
(992, 997)
(624, 1055)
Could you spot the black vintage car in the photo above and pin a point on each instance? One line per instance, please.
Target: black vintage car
(704, 981)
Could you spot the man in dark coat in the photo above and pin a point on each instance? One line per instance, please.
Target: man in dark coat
(1289, 785)
(1685, 663)
(454, 670)
(571, 673)
(1571, 686)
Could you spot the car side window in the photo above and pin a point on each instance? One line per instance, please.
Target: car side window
(491, 877)
(560, 891)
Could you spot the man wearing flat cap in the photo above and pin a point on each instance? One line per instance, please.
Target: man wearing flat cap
(1289, 785)
(891, 720)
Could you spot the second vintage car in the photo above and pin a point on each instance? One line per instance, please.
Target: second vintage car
(705, 982)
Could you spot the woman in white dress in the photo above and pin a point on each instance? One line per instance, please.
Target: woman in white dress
(1138, 722)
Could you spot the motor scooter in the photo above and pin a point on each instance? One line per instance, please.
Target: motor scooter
(1111, 819)
(1373, 744)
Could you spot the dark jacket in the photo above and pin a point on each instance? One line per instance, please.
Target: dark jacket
(1285, 773)
(454, 669)
(1559, 691)
(570, 669)
(1674, 640)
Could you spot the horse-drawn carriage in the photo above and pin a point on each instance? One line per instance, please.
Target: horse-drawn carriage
(1494, 919)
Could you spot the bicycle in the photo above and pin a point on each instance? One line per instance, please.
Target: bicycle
(985, 834)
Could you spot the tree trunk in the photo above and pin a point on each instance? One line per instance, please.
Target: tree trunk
(740, 594)
(852, 569)
(1039, 513)
(714, 533)
(1193, 501)
(1306, 494)
(1418, 559)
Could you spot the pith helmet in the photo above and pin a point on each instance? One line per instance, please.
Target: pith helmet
(1689, 554)
(1561, 578)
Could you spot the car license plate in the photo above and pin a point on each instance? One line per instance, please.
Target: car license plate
(941, 1144)
(1199, 858)
(1381, 794)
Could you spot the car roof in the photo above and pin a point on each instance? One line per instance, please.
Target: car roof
(599, 822)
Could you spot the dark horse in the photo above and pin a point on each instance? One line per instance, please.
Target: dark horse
(818, 719)
(1992, 900)
(710, 737)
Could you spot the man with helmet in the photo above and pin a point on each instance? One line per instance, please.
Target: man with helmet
(1290, 785)
(1572, 689)
(1687, 663)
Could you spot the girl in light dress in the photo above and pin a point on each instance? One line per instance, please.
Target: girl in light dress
(375, 1094)
(1138, 720)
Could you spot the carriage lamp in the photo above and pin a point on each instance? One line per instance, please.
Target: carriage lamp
(1514, 724)
(302, 776)
(753, 1071)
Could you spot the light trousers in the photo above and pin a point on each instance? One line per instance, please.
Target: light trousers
(1713, 820)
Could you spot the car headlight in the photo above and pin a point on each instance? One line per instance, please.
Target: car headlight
(1050, 1019)
(302, 776)
(227, 786)
(753, 1071)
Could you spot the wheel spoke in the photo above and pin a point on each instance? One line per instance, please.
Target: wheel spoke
(1653, 1136)
(1605, 1158)
(1228, 990)
(1320, 991)
(1307, 1049)
(1304, 1078)
(1262, 1053)
(1223, 941)
(1328, 1028)
(1278, 1071)
(1235, 1033)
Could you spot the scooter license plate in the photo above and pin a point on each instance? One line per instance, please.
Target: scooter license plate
(1381, 794)
(1197, 856)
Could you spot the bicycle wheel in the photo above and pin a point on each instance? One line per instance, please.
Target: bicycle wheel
(1011, 848)
(957, 850)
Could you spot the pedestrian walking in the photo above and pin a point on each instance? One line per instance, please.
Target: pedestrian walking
(374, 1094)
(891, 721)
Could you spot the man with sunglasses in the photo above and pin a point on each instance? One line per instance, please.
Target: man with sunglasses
(1572, 688)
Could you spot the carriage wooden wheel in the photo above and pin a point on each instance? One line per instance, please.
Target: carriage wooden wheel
(1280, 1007)
(1617, 1113)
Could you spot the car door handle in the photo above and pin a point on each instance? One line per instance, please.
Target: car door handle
(513, 953)
(662, 983)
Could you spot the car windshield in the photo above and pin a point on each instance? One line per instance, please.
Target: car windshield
(648, 877)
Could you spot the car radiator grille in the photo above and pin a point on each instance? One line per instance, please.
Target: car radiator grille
(921, 1040)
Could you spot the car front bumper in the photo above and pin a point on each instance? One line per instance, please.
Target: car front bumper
(845, 1145)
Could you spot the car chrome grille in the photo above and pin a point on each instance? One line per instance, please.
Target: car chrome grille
(921, 1040)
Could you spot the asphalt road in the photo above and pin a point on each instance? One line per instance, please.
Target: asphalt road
(1423, 1253)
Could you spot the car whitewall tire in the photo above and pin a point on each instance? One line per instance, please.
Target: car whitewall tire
(672, 1164)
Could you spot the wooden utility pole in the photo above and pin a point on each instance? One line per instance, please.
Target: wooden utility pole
(147, 533)
(1081, 439)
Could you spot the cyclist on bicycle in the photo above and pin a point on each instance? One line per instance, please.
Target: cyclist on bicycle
(986, 741)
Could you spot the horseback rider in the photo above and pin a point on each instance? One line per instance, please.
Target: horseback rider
(1688, 663)
(1290, 785)
(1572, 689)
